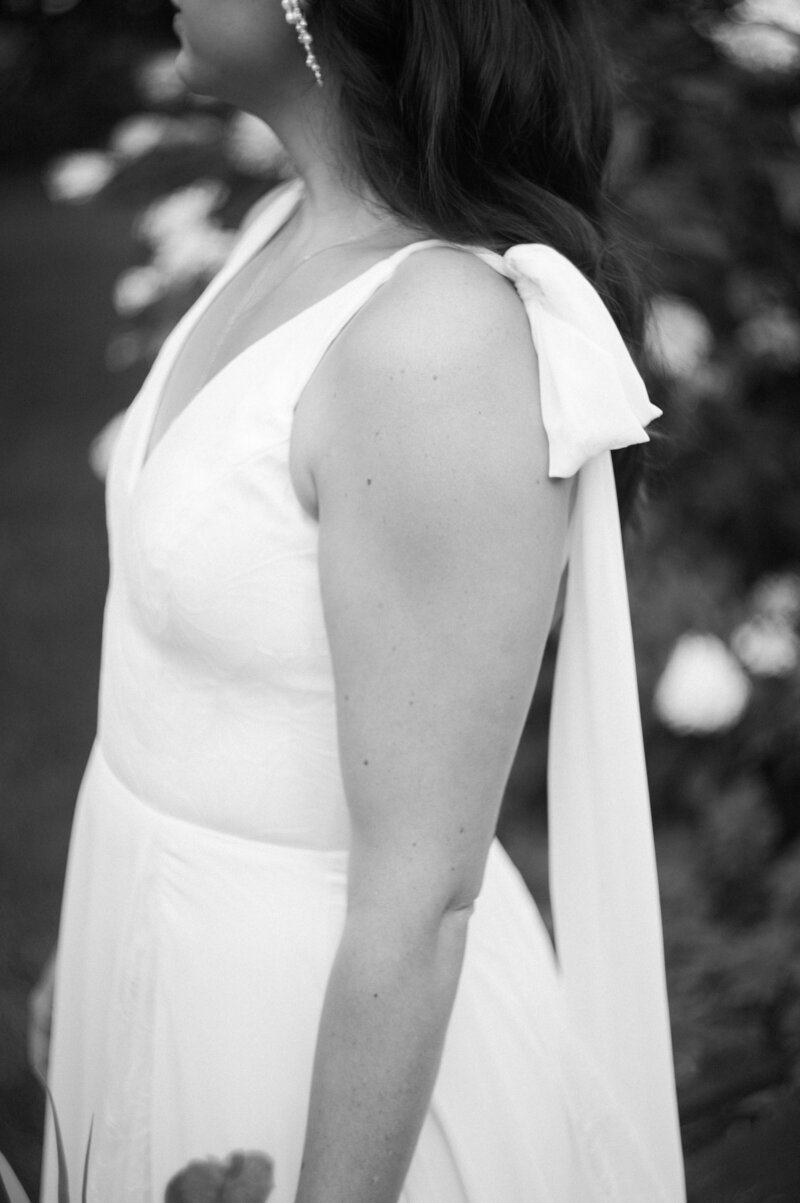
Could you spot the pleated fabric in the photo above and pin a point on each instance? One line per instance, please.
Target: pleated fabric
(206, 883)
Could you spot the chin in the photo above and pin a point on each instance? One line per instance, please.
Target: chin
(191, 72)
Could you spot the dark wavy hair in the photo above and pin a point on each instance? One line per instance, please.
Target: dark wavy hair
(487, 122)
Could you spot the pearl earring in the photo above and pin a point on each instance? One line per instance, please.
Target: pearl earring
(295, 16)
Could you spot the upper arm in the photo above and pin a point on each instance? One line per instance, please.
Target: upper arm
(441, 545)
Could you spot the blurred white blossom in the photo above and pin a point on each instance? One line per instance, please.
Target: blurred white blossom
(777, 598)
(196, 252)
(703, 689)
(156, 79)
(139, 134)
(254, 148)
(173, 212)
(102, 446)
(767, 649)
(187, 243)
(138, 288)
(761, 35)
(142, 133)
(678, 338)
(758, 47)
(767, 642)
(785, 13)
(773, 335)
(79, 176)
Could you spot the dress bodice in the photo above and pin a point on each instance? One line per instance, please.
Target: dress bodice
(216, 662)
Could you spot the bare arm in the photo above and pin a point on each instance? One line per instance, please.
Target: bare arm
(440, 551)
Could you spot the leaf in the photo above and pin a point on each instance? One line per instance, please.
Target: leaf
(10, 1186)
(86, 1163)
(63, 1180)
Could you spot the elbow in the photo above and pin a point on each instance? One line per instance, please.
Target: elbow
(454, 920)
(460, 905)
(462, 889)
(419, 894)
(449, 891)
(446, 914)
(420, 912)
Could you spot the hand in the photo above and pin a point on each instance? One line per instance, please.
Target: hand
(40, 1011)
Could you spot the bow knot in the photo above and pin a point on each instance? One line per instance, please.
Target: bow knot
(592, 396)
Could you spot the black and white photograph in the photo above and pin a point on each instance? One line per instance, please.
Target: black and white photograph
(400, 601)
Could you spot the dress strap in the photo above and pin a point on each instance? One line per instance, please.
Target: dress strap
(603, 878)
(326, 320)
(263, 220)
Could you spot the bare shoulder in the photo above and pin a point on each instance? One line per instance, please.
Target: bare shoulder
(429, 401)
(441, 356)
(447, 306)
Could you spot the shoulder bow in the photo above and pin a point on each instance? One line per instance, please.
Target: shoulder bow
(603, 881)
(593, 398)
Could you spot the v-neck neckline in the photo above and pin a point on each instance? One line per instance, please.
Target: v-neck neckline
(280, 217)
(238, 262)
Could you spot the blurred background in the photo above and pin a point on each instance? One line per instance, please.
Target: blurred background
(118, 200)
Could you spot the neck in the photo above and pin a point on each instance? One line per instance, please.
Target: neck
(338, 203)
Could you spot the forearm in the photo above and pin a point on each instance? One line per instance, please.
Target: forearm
(383, 1025)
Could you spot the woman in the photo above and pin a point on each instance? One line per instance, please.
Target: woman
(339, 514)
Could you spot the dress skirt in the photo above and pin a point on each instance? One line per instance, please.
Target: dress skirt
(191, 976)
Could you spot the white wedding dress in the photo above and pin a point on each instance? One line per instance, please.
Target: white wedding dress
(207, 871)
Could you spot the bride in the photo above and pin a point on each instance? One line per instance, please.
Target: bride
(340, 511)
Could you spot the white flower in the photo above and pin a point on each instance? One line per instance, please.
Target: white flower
(137, 288)
(254, 148)
(142, 133)
(703, 689)
(102, 446)
(767, 649)
(174, 212)
(770, 12)
(187, 244)
(79, 176)
(758, 47)
(773, 335)
(196, 252)
(777, 598)
(137, 135)
(156, 79)
(678, 339)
